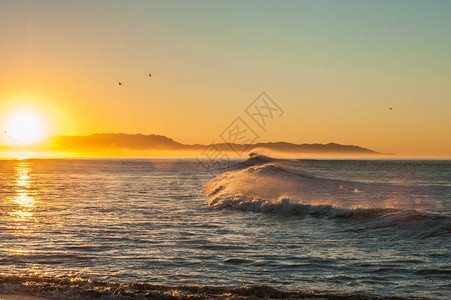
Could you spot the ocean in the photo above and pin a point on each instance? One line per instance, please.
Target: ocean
(257, 228)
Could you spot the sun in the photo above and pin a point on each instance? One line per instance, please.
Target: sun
(24, 127)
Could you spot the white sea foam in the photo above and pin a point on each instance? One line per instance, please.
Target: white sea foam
(272, 184)
(40, 288)
(263, 184)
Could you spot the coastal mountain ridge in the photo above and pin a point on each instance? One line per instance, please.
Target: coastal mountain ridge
(105, 141)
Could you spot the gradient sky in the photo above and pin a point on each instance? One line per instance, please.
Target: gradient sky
(334, 67)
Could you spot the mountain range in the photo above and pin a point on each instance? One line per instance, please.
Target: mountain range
(152, 142)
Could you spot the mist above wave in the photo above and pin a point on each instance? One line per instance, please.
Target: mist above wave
(276, 181)
(264, 184)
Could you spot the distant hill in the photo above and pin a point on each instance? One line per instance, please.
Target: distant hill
(103, 141)
(303, 148)
(111, 141)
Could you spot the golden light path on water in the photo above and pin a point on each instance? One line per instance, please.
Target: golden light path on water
(22, 202)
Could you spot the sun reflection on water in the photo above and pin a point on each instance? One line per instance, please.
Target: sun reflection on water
(22, 203)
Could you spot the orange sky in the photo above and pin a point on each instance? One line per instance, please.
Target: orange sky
(334, 70)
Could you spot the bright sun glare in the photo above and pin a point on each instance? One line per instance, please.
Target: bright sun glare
(24, 127)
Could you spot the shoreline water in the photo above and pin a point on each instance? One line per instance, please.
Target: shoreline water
(21, 297)
(104, 290)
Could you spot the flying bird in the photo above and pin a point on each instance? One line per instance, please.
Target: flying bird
(120, 83)
(150, 74)
(390, 108)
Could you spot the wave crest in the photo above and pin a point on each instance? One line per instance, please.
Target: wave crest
(265, 185)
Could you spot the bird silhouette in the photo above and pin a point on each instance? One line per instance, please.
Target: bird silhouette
(390, 108)
(120, 83)
(150, 74)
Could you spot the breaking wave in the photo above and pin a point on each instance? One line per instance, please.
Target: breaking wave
(264, 184)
